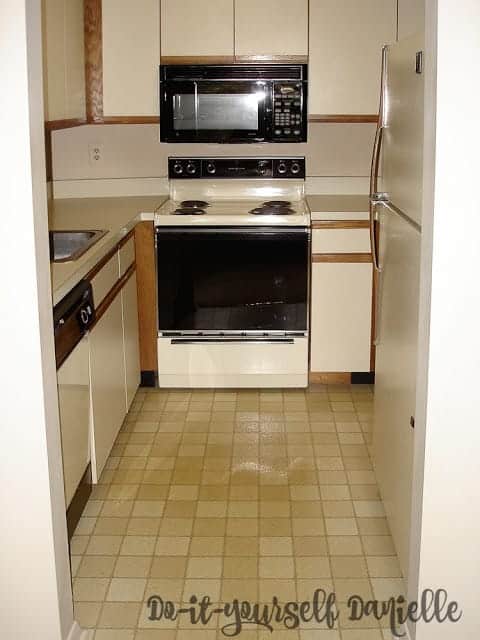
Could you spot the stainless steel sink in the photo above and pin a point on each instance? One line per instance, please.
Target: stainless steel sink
(68, 246)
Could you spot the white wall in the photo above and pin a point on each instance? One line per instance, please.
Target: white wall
(446, 510)
(35, 594)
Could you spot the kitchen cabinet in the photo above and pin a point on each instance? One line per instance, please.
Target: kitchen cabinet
(346, 37)
(411, 17)
(63, 59)
(74, 408)
(131, 56)
(271, 27)
(341, 316)
(107, 379)
(197, 28)
(130, 337)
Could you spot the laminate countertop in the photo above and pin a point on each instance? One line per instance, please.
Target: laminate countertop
(338, 207)
(117, 216)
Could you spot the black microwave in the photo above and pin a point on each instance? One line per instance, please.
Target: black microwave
(233, 103)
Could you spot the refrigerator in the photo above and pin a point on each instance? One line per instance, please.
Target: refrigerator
(395, 225)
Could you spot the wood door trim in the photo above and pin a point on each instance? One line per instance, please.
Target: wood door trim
(342, 118)
(340, 224)
(112, 294)
(147, 295)
(342, 257)
(316, 377)
(93, 60)
(271, 59)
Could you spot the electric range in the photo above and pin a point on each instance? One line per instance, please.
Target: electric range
(233, 268)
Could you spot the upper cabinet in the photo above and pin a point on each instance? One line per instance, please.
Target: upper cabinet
(197, 27)
(271, 28)
(411, 17)
(346, 37)
(131, 55)
(63, 59)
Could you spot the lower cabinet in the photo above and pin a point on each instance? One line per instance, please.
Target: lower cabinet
(107, 379)
(130, 337)
(341, 316)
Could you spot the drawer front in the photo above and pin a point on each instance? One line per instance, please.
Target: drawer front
(127, 255)
(341, 241)
(105, 279)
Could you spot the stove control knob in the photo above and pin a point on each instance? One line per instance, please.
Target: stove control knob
(262, 167)
(282, 168)
(211, 168)
(178, 168)
(191, 168)
(295, 168)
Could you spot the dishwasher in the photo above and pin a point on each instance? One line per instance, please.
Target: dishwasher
(72, 318)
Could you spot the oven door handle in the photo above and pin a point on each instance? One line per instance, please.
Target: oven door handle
(231, 340)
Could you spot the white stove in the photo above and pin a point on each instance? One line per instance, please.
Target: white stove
(233, 257)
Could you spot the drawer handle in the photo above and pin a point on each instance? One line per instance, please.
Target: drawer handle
(232, 340)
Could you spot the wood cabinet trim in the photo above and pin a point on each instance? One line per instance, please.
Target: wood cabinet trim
(197, 60)
(102, 308)
(147, 295)
(251, 59)
(93, 60)
(66, 123)
(342, 118)
(316, 377)
(342, 257)
(340, 224)
(127, 120)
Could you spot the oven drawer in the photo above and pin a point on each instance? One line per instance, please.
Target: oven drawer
(231, 362)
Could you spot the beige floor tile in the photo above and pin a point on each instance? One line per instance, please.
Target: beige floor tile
(276, 567)
(132, 567)
(204, 567)
(148, 508)
(347, 587)
(308, 527)
(378, 545)
(172, 546)
(240, 567)
(90, 589)
(119, 615)
(344, 546)
(310, 546)
(349, 567)
(143, 526)
(284, 590)
(126, 590)
(341, 526)
(369, 508)
(138, 545)
(200, 588)
(383, 567)
(207, 546)
(87, 613)
(241, 589)
(111, 526)
(167, 588)
(312, 567)
(104, 545)
(96, 567)
(241, 546)
(276, 546)
(115, 634)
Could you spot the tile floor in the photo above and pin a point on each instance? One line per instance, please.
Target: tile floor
(235, 494)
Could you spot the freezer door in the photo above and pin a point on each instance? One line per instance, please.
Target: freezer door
(395, 377)
(402, 139)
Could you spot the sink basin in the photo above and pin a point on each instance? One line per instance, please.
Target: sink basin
(68, 246)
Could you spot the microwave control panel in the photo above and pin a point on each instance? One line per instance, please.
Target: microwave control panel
(287, 110)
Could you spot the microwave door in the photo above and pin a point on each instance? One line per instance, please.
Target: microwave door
(202, 111)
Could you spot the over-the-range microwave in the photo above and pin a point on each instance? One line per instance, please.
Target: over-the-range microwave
(233, 103)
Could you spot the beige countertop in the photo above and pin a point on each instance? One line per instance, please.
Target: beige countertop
(338, 207)
(116, 215)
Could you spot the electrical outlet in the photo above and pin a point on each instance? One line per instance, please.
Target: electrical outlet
(95, 154)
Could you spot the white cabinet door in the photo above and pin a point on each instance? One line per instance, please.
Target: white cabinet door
(411, 18)
(271, 27)
(64, 59)
(346, 37)
(341, 317)
(107, 375)
(74, 407)
(131, 57)
(197, 28)
(130, 334)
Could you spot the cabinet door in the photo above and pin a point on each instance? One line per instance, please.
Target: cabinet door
(341, 317)
(130, 334)
(74, 407)
(411, 17)
(107, 377)
(346, 37)
(64, 59)
(197, 28)
(131, 56)
(271, 27)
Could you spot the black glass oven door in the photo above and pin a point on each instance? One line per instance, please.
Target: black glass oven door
(222, 111)
(232, 279)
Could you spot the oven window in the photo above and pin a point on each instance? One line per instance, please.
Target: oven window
(232, 279)
(216, 111)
